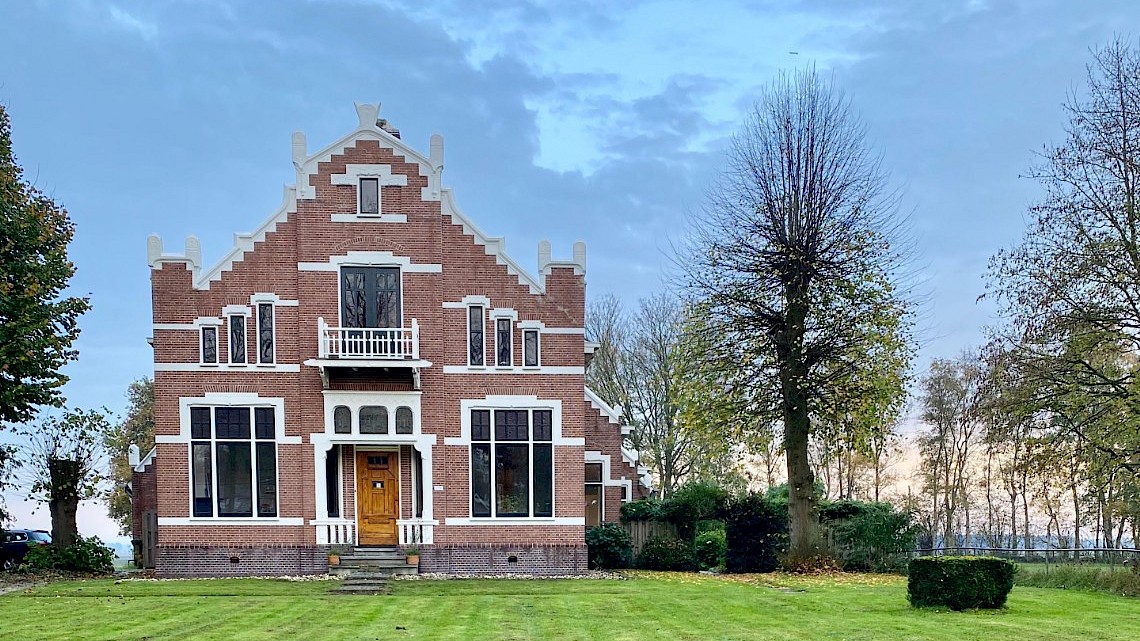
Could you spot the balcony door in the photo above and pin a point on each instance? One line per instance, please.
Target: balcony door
(370, 297)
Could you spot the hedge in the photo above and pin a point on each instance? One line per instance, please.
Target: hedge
(666, 553)
(756, 534)
(608, 547)
(959, 582)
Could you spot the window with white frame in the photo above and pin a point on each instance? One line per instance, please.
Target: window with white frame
(209, 344)
(595, 494)
(530, 348)
(512, 463)
(233, 461)
(370, 196)
(475, 341)
(503, 350)
(237, 338)
(266, 339)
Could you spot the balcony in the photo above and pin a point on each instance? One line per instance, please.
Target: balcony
(369, 343)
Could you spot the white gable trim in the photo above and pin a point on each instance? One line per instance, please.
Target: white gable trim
(597, 403)
(244, 242)
(492, 246)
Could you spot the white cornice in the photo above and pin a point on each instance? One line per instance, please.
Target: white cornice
(596, 401)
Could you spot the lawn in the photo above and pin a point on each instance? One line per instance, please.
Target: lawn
(643, 607)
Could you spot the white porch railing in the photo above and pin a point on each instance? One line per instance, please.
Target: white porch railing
(416, 531)
(335, 531)
(378, 343)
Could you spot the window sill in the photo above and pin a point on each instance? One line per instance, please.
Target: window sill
(209, 364)
(267, 365)
(517, 520)
(231, 520)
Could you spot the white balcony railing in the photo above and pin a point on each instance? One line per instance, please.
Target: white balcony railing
(373, 343)
(335, 531)
(416, 531)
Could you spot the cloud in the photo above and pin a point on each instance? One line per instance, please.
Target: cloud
(130, 22)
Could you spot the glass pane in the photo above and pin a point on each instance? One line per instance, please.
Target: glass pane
(543, 481)
(593, 472)
(387, 288)
(199, 422)
(235, 479)
(593, 505)
(203, 480)
(503, 341)
(354, 304)
(265, 425)
(267, 479)
(373, 420)
(369, 196)
(480, 425)
(265, 333)
(403, 420)
(511, 425)
(237, 339)
(342, 420)
(332, 480)
(231, 422)
(480, 480)
(209, 344)
(512, 481)
(543, 425)
(530, 348)
(475, 334)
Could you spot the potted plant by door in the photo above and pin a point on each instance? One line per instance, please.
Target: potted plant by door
(412, 553)
(334, 559)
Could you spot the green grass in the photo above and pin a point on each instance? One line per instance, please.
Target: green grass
(1114, 579)
(647, 606)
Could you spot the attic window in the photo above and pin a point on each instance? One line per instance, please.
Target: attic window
(370, 196)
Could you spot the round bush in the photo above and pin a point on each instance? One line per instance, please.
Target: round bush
(666, 553)
(608, 546)
(710, 547)
(87, 556)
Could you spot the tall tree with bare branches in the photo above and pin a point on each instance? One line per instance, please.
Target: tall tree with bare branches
(797, 256)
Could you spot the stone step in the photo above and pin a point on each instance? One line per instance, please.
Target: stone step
(350, 569)
(363, 588)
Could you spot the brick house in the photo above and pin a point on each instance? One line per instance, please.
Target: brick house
(369, 368)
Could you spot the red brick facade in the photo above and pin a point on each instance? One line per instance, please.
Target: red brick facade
(446, 263)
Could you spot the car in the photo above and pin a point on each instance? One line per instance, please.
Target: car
(16, 543)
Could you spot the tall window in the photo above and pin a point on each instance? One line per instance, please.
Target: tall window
(370, 195)
(370, 297)
(210, 345)
(332, 481)
(475, 335)
(265, 342)
(237, 338)
(595, 494)
(233, 461)
(512, 463)
(503, 342)
(530, 348)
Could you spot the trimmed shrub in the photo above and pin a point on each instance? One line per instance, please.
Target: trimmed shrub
(86, 556)
(666, 553)
(609, 546)
(756, 534)
(640, 510)
(960, 582)
(710, 547)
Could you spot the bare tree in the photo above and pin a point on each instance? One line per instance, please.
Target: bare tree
(795, 256)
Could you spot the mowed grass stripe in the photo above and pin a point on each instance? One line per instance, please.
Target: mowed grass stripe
(647, 606)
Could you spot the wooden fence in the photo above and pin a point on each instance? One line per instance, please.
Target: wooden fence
(642, 531)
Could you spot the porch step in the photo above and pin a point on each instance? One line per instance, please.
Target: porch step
(369, 568)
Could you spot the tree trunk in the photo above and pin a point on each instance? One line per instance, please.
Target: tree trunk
(64, 501)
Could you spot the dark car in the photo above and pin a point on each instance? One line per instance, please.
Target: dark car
(16, 544)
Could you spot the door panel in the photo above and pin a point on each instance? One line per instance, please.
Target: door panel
(370, 297)
(377, 497)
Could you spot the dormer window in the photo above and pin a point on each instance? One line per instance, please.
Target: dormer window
(370, 196)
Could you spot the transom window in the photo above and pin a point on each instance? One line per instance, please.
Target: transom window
(512, 463)
(233, 461)
(374, 419)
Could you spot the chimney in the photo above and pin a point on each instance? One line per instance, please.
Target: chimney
(387, 126)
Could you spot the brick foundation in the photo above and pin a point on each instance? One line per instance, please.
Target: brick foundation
(182, 561)
(496, 559)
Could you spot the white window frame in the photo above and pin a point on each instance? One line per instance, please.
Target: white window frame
(253, 440)
(257, 331)
(360, 196)
(601, 483)
(537, 347)
(467, 335)
(530, 443)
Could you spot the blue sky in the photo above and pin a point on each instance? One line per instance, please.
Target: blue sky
(598, 121)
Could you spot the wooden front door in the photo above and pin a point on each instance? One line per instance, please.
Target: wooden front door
(377, 497)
